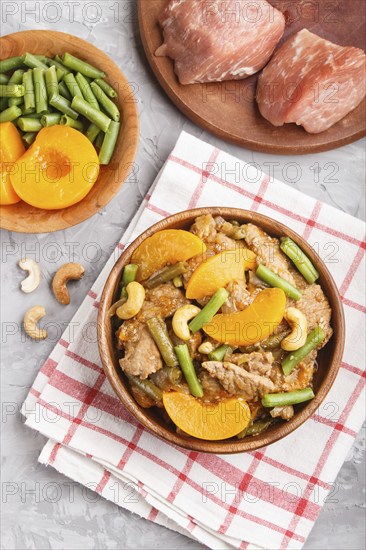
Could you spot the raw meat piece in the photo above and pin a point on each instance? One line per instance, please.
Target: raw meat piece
(216, 40)
(312, 82)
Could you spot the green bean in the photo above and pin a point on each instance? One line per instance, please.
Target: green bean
(109, 143)
(106, 88)
(10, 114)
(256, 427)
(29, 124)
(167, 274)
(51, 119)
(87, 91)
(159, 332)
(92, 114)
(92, 132)
(11, 90)
(4, 79)
(99, 140)
(300, 259)
(177, 282)
(129, 275)
(71, 123)
(288, 398)
(315, 337)
(81, 66)
(61, 71)
(29, 96)
(219, 353)
(33, 63)
(72, 85)
(3, 103)
(11, 64)
(210, 309)
(187, 367)
(107, 104)
(148, 387)
(269, 277)
(29, 137)
(40, 90)
(63, 90)
(42, 58)
(16, 78)
(64, 106)
(51, 82)
(270, 343)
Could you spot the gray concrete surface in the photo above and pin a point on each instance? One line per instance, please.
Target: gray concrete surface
(40, 508)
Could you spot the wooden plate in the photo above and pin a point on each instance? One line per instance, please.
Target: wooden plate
(228, 109)
(329, 358)
(24, 218)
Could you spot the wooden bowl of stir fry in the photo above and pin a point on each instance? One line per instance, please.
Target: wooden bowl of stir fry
(220, 330)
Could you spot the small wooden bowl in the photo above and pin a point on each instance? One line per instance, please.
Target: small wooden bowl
(329, 358)
(24, 218)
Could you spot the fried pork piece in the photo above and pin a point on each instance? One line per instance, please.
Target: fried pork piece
(311, 82)
(142, 358)
(268, 251)
(256, 362)
(216, 40)
(240, 297)
(282, 412)
(238, 381)
(316, 308)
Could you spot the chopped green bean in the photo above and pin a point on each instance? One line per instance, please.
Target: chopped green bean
(92, 132)
(148, 387)
(109, 143)
(288, 398)
(81, 66)
(64, 106)
(51, 82)
(72, 85)
(68, 121)
(159, 332)
(3, 103)
(4, 79)
(29, 137)
(42, 58)
(29, 96)
(107, 104)
(300, 259)
(51, 119)
(16, 78)
(177, 282)
(11, 64)
(61, 70)
(40, 90)
(10, 114)
(129, 274)
(99, 140)
(29, 124)
(315, 337)
(11, 90)
(63, 90)
(269, 277)
(33, 63)
(167, 274)
(87, 91)
(210, 309)
(106, 88)
(219, 353)
(187, 367)
(92, 114)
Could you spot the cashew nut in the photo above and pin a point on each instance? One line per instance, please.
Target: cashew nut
(206, 347)
(181, 318)
(31, 318)
(135, 300)
(299, 325)
(34, 278)
(66, 273)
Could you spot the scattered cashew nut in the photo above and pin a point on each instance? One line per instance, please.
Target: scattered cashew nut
(135, 300)
(31, 318)
(299, 325)
(66, 273)
(34, 278)
(181, 318)
(206, 347)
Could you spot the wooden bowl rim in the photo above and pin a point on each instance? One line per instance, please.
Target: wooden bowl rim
(84, 209)
(228, 446)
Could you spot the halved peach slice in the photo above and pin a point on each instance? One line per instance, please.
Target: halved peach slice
(169, 246)
(254, 324)
(218, 271)
(11, 148)
(206, 420)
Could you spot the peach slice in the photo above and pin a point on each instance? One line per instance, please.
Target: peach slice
(11, 148)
